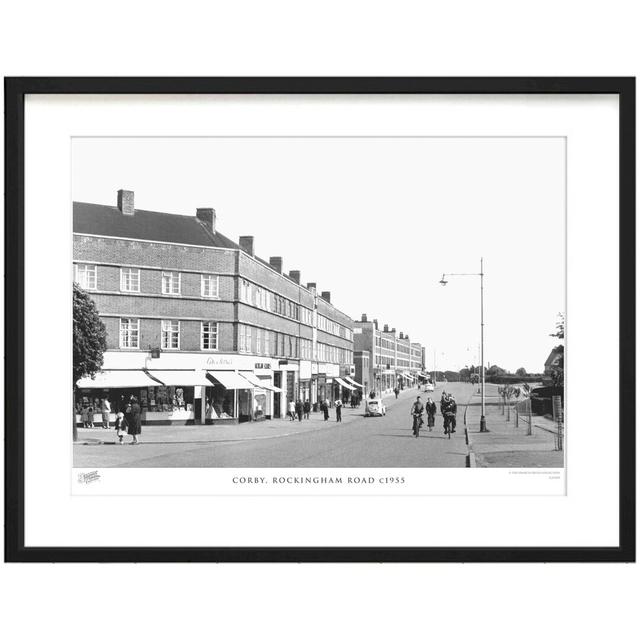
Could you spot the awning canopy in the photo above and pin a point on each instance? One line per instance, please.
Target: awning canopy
(230, 379)
(256, 382)
(353, 382)
(344, 384)
(426, 376)
(188, 378)
(119, 379)
(408, 377)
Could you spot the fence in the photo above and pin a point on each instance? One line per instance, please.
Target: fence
(524, 412)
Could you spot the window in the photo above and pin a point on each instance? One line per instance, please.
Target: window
(130, 280)
(209, 336)
(266, 343)
(258, 341)
(129, 333)
(170, 334)
(87, 275)
(209, 286)
(244, 339)
(171, 283)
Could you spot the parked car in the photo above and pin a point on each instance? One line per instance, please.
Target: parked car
(428, 387)
(374, 407)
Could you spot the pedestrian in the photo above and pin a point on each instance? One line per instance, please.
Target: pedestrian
(135, 421)
(292, 411)
(105, 408)
(299, 409)
(306, 409)
(430, 408)
(338, 404)
(452, 410)
(121, 427)
(417, 408)
(90, 417)
(396, 391)
(84, 416)
(325, 409)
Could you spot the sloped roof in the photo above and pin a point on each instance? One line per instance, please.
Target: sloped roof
(103, 220)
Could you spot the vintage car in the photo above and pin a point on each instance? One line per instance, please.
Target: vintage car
(428, 387)
(374, 407)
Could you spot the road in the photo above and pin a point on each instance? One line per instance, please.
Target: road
(359, 442)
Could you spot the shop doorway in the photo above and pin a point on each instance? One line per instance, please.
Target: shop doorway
(277, 382)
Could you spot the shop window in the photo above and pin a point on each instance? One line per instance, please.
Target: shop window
(171, 283)
(209, 286)
(129, 333)
(170, 334)
(209, 336)
(87, 276)
(130, 280)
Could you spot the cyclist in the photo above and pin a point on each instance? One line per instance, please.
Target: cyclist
(417, 409)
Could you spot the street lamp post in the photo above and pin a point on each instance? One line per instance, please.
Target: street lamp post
(483, 421)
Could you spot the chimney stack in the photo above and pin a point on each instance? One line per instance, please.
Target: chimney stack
(364, 317)
(375, 322)
(295, 276)
(125, 202)
(386, 328)
(401, 335)
(246, 244)
(311, 286)
(276, 263)
(208, 218)
(327, 296)
(393, 330)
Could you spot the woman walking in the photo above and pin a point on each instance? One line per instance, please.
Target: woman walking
(135, 423)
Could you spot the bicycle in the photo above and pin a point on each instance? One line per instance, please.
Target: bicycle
(417, 423)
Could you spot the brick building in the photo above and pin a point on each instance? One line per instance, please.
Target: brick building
(384, 357)
(198, 327)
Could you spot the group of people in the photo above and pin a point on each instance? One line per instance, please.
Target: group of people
(299, 409)
(128, 417)
(448, 409)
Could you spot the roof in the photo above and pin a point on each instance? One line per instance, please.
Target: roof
(103, 220)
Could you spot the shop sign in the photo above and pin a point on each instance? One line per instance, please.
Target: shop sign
(219, 362)
(262, 365)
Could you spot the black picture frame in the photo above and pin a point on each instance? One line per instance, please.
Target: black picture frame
(15, 91)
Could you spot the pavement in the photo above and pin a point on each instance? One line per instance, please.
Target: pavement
(506, 444)
(355, 442)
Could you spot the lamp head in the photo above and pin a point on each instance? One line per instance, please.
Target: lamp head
(443, 281)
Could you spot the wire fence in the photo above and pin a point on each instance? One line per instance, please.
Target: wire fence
(524, 412)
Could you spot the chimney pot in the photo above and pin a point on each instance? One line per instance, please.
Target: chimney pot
(327, 295)
(276, 263)
(246, 244)
(125, 202)
(295, 276)
(208, 218)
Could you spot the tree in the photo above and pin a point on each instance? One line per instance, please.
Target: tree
(495, 370)
(521, 371)
(557, 375)
(559, 328)
(89, 338)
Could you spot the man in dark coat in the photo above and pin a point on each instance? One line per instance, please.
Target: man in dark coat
(134, 419)
(299, 409)
(306, 407)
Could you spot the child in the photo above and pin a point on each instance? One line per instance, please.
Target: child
(89, 423)
(121, 428)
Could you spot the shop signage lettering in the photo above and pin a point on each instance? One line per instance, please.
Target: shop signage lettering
(218, 362)
(262, 365)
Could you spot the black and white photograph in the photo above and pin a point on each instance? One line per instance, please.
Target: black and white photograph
(319, 302)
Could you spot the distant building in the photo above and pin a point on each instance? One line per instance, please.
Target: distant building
(394, 361)
(199, 328)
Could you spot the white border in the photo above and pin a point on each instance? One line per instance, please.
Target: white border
(53, 517)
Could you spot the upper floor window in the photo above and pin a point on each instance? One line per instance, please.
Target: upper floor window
(130, 280)
(129, 333)
(209, 286)
(170, 334)
(87, 276)
(209, 336)
(244, 338)
(171, 283)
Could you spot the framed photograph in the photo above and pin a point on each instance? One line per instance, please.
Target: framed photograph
(320, 319)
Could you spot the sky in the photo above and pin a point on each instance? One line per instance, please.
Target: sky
(377, 221)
